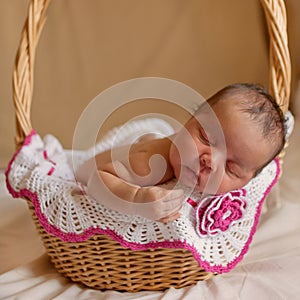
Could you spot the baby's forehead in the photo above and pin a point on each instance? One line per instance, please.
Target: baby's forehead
(228, 107)
(232, 101)
(226, 119)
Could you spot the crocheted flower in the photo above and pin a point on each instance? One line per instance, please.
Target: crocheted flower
(215, 214)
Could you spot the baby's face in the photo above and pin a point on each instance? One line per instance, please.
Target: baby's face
(219, 159)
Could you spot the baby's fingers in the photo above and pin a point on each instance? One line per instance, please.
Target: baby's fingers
(171, 203)
(173, 199)
(165, 208)
(170, 218)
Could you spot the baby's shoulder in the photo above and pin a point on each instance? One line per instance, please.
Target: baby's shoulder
(151, 159)
(155, 146)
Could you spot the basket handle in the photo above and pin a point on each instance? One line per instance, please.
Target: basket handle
(279, 56)
(280, 65)
(24, 67)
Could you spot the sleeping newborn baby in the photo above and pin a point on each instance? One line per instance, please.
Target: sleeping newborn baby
(226, 143)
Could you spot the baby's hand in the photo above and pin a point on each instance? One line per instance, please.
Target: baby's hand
(160, 204)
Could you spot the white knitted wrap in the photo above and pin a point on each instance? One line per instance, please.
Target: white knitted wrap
(42, 171)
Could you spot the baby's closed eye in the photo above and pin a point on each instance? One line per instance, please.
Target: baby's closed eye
(233, 170)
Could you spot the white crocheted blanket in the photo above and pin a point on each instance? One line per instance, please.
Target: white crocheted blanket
(217, 230)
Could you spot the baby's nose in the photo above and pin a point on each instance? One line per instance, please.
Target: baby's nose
(212, 162)
(211, 172)
(205, 162)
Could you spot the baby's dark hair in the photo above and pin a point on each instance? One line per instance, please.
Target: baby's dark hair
(261, 107)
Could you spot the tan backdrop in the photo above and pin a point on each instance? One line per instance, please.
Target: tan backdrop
(88, 46)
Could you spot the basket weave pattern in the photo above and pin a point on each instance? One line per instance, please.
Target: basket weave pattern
(101, 262)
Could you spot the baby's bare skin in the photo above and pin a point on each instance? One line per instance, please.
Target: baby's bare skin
(196, 156)
(133, 181)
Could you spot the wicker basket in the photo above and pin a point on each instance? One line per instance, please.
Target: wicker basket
(101, 262)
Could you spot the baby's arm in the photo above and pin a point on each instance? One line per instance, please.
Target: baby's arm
(151, 202)
(130, 182)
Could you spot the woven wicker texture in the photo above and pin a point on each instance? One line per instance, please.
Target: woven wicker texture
(100, 262)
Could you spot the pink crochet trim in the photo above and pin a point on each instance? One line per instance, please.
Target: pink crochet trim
(72, 237)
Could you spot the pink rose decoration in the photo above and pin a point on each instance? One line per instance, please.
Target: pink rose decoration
(215, 214)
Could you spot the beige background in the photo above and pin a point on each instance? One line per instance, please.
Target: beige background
(88, 46)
